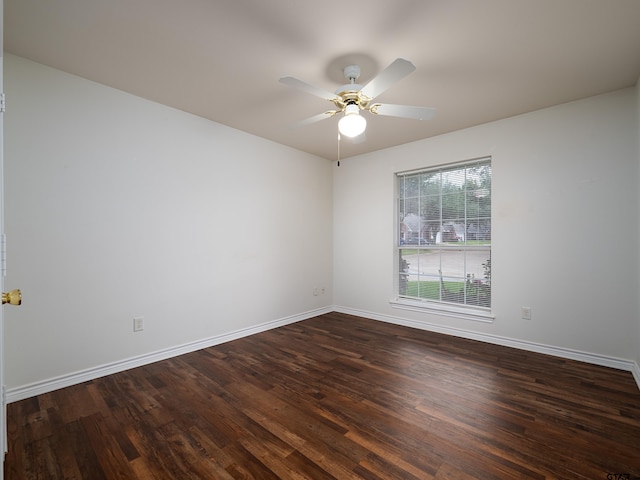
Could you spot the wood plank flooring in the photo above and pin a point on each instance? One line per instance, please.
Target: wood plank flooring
(340, 397)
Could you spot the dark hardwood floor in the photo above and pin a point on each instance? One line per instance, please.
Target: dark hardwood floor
(336, 396)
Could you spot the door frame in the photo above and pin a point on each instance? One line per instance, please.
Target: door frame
(3, 396)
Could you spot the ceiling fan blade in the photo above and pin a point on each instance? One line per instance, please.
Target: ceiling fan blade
(399, 69)
(314, 119)
(403, 111)
(305, 87)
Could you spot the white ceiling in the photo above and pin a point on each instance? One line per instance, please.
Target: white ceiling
(477, 60)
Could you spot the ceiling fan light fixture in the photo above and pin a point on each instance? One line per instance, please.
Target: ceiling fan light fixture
(352, 124)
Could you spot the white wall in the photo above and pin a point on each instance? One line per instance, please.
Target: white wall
(118, 207)
(565, 226)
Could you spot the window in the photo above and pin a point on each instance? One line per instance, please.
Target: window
(444, 237)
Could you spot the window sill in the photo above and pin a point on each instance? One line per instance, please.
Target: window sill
(464, 313)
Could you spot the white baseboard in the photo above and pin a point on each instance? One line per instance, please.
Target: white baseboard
(602, 360)
(636, 373)
(49, 385)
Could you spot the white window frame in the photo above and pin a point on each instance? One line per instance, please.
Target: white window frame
(457, 310)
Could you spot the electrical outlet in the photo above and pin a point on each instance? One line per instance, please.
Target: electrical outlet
(315, 291)
(526, 313)
(138, 324)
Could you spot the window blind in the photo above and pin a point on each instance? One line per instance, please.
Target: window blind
(444, 234)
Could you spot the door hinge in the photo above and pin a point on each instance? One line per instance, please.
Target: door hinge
(2, 104)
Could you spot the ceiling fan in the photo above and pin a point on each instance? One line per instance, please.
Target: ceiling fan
(352, 97)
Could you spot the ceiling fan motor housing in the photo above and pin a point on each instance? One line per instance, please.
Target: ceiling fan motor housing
(348, 94)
